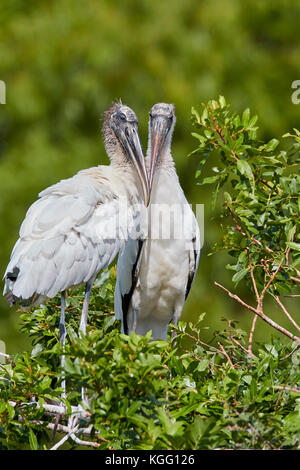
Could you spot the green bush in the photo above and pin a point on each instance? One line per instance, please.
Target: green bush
(261, 217)
(149, 395)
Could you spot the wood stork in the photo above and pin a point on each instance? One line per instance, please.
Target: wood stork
(151, 293)
(77, 226)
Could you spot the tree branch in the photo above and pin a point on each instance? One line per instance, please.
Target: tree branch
(260, 314)
(286, 312)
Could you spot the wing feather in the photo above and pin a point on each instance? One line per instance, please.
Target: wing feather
(194, 256)
(63, 239)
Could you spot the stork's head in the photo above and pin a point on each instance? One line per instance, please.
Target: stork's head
(161, 126)
(122, 142)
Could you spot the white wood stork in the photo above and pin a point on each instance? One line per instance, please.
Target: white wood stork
(151, 293)
(77, 226)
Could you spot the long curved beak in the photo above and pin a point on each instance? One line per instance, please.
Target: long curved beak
(159, 128)
(131, 141)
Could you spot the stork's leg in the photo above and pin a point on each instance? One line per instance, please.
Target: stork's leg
(62, 339)
(83, 321)
(177, 313)
(85, 308)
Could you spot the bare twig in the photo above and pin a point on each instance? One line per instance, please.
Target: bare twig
(54, 409)
(5, 355)
(252, 277)
(289, 389)
(225, 354)
(258, 302)
(61, 442)
(236, 297)
(242, 347)
(289, 354)
(82, 442)
(60, 427)
(250, 341)
(286, 312)
(260, 314)
(270, 280)
(8, 358)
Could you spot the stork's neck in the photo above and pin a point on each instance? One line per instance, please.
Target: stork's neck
(164, 159)
(118, 158)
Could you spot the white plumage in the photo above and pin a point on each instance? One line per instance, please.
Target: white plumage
(151, 293)
(68, 236)
(77, 226)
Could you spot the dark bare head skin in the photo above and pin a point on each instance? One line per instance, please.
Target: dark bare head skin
(122, 142)
(162, 121)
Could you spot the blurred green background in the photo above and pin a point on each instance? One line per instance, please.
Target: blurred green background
(65, 61)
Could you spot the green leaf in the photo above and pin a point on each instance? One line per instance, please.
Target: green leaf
(203, 365)
(11, 410)
(2, 406)
(245, 117)
(38, 348)
(293, 245)
(271, 145)
(209, 180)
(222, 101)
(33, 440)
(200, 137)
(240, 274)
(244, 168)
(214, 195)
(227, 197)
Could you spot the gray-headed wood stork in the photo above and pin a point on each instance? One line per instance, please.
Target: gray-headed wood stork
(77, 226)
(151, 293)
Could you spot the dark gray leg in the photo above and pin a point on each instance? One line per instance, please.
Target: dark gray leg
(62, 339)
(85, 308)
(83, 321)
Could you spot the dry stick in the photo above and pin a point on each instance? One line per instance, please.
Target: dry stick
(286, 312)
(259, 298)
(289, 354)
(72, 428)
(260, 314)
(65, 429)
(250, 341)
(242, 347)
(198, 340)
(225, 354)
(82, 442)
(220, 351)
(252, 277)
(6, 356)
(61, 442)
(55, 409)
(289, 389)
(62, 428)
(269, 283)
(277, 298)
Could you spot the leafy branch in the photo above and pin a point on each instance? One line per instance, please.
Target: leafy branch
(261, 205)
